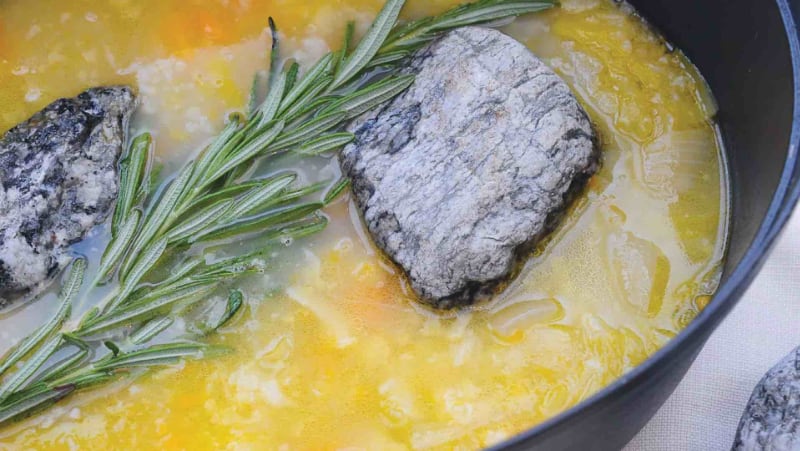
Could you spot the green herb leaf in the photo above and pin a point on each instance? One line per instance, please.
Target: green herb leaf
(133, 172)
(261, 222)
(249, 151)
(142, 311)
(112, 347)
(341, 55)
(371, 42)
(157, 218)
(271, 104)
(326, 143)
(117, 247)
(336, 190)
(31, 366)
(151, 329)
(367, 98)
(213, 151)
(68, 292)
(146, 261)
(154, 355)
(31, 404)
(235, 302)
(291, 76)
(310, 130)
(297, 108)
(199, 221)
(310, 80)
(275, 53)
(66, 365)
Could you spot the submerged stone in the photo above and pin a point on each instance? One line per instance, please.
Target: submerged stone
(473, 164)
(771, 420)
(58, 178)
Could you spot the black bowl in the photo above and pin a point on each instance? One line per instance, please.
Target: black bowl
(749, 52)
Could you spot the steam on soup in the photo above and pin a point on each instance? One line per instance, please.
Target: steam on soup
(333, 351)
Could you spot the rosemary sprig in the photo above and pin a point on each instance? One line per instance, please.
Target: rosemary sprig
(208, 201)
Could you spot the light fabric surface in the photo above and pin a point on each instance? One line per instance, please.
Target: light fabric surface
(704, 411)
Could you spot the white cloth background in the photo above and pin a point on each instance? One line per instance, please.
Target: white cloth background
(704, 412)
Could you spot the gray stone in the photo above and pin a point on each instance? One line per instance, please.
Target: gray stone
(457, 177)
(58, 178)
(771, 421)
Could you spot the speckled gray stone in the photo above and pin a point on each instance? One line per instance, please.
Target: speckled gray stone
(460, 174)
(58, 178)
(771, 421)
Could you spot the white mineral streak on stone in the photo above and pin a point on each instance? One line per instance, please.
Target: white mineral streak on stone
(771, 421)
(58, 178)
(471, 165)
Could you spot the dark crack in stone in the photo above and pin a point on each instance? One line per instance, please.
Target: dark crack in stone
(771, 421)
(462, 173)
(58, 178)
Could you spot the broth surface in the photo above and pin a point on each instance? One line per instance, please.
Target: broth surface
(332, 352)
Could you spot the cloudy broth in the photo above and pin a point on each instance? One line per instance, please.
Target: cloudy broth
(332, 351)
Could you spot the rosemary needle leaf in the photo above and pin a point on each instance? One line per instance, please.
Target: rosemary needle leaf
(300, 115)
(117, 247)
(297, 230)
(271, 104)
(68, 292)
(150, 330)
(487, 11)
(261, 222)
(239, 172)
(145, 263)
(293, 195)
(250, 202)
(235, 302)
(133, 170)
(367, 98)
(275, 52)
(93, 313)
(313, 128)
(247, 152)
(370, 43)
(33, 403)
(326, 143)
(199, 221)
(112, 347)
(87, 380)
(341, 55)
(66, 365)
(169, 289)
(291, 75)
(336, 190)
(154, 355)
(255, 90)
(157, 218)
(389, 58)
(142, 311)
(186, 268)
(229, 192)
(309, 80)
(31, 366)
(212, 152)
(301, 104)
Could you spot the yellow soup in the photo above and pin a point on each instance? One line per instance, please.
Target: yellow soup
(333, 352)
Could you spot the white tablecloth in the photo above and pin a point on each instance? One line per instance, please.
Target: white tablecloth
(704, 411)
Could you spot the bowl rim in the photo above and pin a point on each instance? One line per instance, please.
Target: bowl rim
(780, 210)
